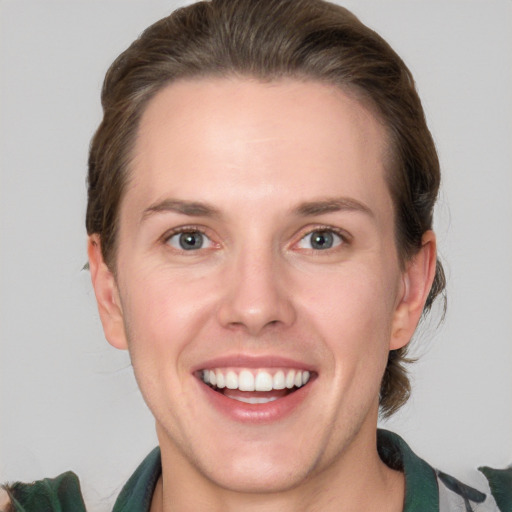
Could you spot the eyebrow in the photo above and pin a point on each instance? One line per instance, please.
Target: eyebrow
(307, 209)
(331, 205)
(190, 208)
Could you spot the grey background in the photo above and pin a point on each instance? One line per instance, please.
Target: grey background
(69, 401)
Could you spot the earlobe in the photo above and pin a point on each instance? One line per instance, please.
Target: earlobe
(416, 283)
(107, 296)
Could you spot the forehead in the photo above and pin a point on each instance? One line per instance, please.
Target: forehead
(286, 138)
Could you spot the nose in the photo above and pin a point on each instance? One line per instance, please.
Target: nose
(256, 296)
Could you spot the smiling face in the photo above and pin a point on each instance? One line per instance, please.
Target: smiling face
(258, 286)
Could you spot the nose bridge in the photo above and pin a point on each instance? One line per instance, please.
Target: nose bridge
(255, 289)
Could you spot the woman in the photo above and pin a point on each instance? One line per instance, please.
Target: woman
(261, 191)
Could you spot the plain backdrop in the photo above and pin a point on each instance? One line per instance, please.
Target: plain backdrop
(69, 400)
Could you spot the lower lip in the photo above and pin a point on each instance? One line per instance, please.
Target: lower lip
(256, 413)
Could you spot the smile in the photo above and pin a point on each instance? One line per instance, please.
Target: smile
(255, 386)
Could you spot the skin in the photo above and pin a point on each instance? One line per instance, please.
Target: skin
(256, 153)
(4, 499)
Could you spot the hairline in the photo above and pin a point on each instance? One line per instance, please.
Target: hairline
(354, 92)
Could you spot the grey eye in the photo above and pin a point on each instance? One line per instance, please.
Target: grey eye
(189, 241)
(319, 240)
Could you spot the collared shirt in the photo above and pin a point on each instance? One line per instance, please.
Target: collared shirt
(426, 489)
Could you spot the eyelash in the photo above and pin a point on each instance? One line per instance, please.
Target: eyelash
(344, 238)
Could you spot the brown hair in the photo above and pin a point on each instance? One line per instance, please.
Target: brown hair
(305, 39)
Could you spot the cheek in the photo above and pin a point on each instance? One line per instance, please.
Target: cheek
(164, 311)
(163, 323)
(354, 309)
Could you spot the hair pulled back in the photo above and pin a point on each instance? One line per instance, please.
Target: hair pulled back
(268, 40)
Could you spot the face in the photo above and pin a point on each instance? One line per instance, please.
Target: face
(258, 287)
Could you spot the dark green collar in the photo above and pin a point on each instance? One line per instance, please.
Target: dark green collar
(421, 491)
(59, 494)
(137, 492)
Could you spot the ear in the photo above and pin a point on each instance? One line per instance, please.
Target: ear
(417, 280)
(107, 295)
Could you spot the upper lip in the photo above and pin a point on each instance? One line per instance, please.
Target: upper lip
(249, 361)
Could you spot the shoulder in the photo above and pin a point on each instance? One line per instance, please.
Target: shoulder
(428, 489)
(500, 484)
(49, 494)
(63, 492)
(455, 495)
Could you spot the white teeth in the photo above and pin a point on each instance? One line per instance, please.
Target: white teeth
(254, 399)
(290, 379)
(278, 380)
(221, 381)
(255, 380)
(263, 382)
(246, 381)
(232, 380)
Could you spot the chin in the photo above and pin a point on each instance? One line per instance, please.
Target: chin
(261, 476)
(275, 463)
